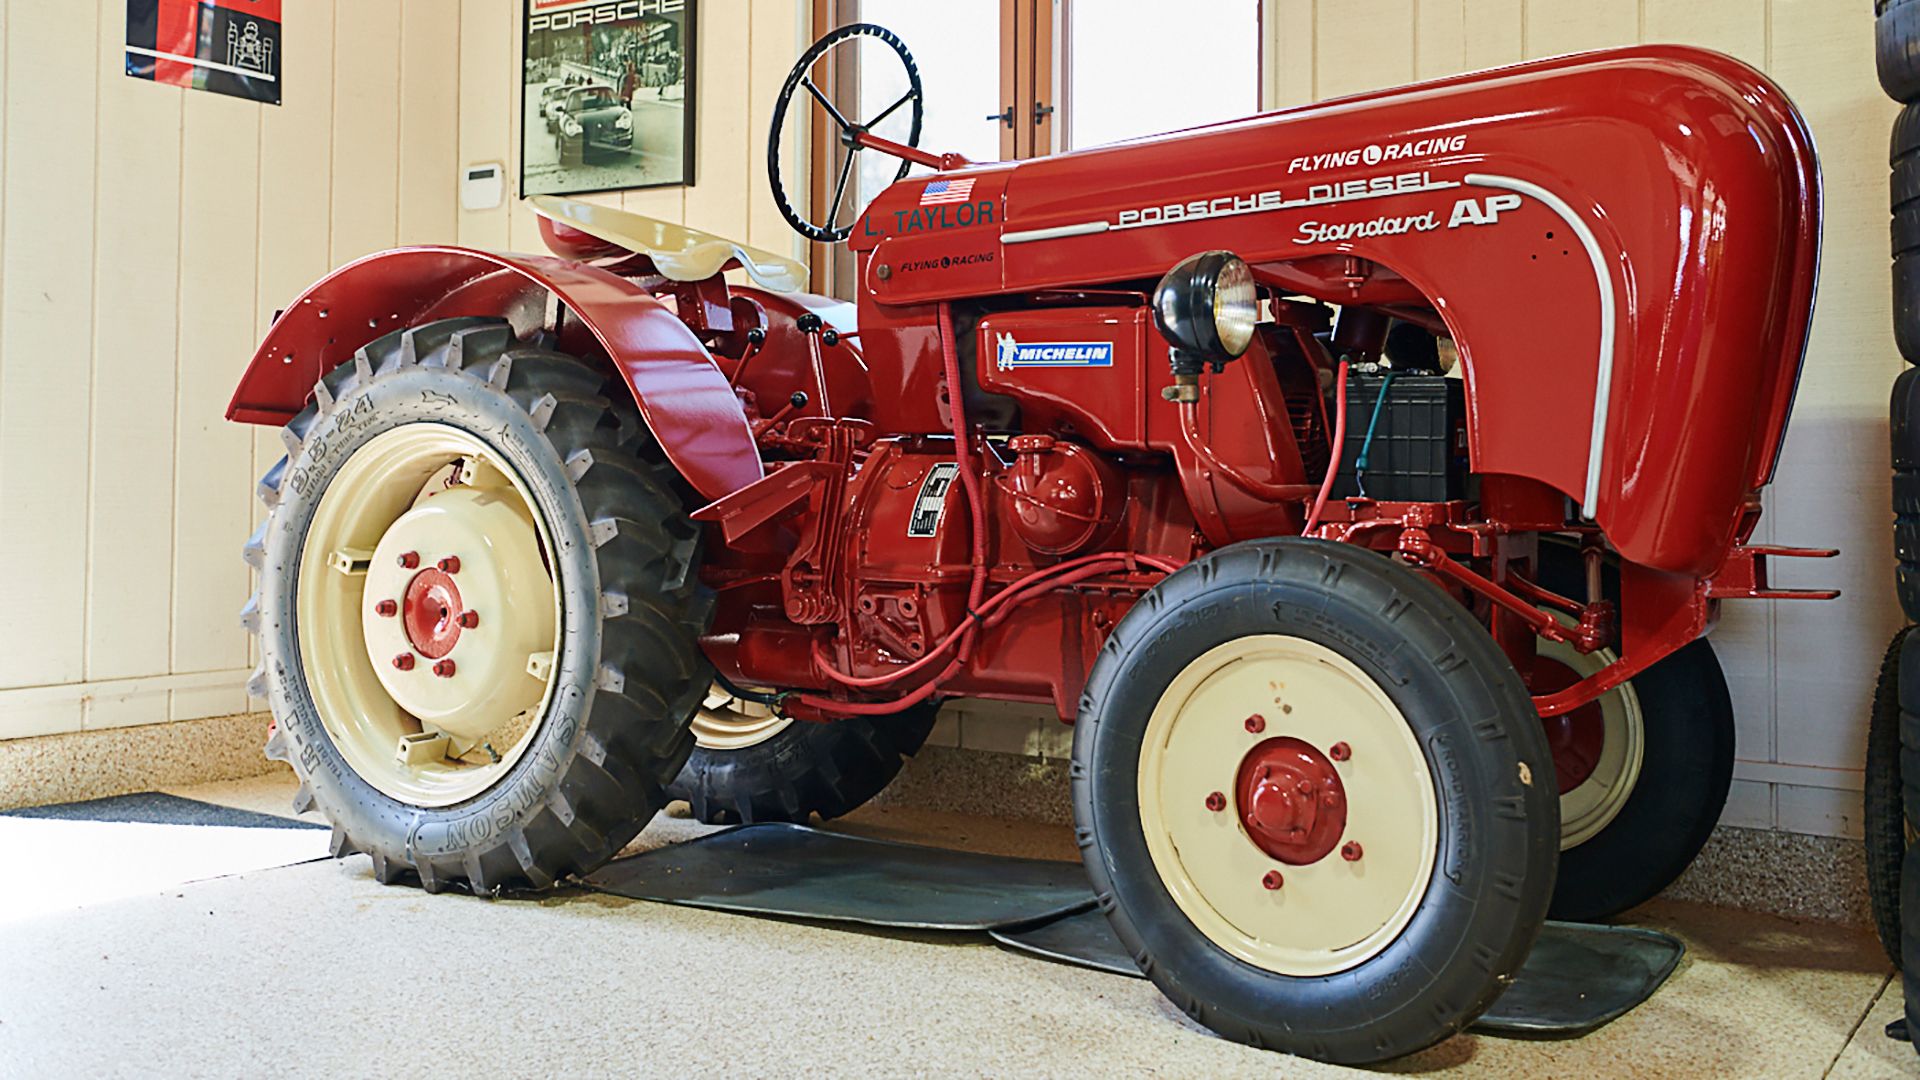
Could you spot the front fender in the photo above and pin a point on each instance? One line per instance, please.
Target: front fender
(679, 390)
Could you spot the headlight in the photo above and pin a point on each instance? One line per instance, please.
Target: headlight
(1207, 306)
(625, 122)
(571, 127)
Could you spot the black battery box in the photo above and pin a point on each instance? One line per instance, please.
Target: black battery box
(1417, 451)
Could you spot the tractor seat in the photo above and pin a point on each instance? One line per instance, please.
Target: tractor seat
(589, 232)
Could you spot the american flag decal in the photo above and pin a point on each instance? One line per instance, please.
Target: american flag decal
(946, 191)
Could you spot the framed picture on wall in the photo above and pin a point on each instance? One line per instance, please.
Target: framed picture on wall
(607, 97)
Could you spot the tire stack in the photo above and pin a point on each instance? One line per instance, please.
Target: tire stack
(1893, 735)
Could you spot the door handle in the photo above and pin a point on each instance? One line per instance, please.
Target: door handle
(1004, 117)
(1041, 112)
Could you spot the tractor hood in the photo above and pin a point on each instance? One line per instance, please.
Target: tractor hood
(1623, 244)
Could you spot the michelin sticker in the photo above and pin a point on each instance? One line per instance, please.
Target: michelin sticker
(931, 503)
(1010, 354)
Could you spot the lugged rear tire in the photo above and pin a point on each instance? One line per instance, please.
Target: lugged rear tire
(1896, 53)
(1884, 824)
(626, 675)
(801, 769)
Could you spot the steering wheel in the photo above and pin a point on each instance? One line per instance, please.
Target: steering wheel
(849, 133)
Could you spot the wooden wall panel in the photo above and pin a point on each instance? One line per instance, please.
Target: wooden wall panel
(136, 283)
(1550, 27)
(1439, 38)
(47, 294)
(1735, 29)
(213, 474)
(429, 140)
(1289, 53)
(1832, 485)
(777, 33)
(1362, 44)
(717, 201)
(366, 127)
(1495, 32)
(489, 51)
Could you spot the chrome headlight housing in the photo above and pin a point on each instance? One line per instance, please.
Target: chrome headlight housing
(1207, 306)
(623, 122)
(571, 127)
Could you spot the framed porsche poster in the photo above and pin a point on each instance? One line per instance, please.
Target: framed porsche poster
(607, 101)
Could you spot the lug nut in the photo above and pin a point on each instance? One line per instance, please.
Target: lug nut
(1273, 880)
(1256, 723)
(1350, 851)
(443, 668)
(469, 619)
(450, 564)
(404, 661)
(1216, 802)
(386, 608)
(1339, 751)
(409, 560)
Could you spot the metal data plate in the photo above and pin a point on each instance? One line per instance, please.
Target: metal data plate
(792, 870)
(1577, 978)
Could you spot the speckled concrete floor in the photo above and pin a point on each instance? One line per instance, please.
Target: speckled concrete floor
(316, 969)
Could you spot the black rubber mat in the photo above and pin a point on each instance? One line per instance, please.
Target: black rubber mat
(1577, 978)
(153, 808)
(792, 870)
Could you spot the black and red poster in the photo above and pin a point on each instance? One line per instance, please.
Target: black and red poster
(226, 46)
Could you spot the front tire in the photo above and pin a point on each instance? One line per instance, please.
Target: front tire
(1644, 770)
(502, 701)
(1384, 859)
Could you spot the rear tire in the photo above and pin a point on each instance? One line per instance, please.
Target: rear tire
(1444, 745)
(1896, 53)
(801, 769)
(625, 673)
(1884, 823)
(1903, 201)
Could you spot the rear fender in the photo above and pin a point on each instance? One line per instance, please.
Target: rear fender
(680, 392)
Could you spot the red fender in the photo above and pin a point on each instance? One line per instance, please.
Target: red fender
(680, 392)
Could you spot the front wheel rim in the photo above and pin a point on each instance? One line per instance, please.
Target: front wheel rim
(1614, 723)
(427, 614)
(1341, 900)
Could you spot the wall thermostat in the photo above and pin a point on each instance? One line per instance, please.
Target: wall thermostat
(481, 187)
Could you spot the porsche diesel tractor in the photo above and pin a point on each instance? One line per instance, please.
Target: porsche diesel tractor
(1359, 479)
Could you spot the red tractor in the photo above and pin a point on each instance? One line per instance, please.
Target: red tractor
(1360, 479)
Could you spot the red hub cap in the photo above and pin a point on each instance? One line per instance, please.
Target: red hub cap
(432, 610)
(1291, 800)
(1577, 737)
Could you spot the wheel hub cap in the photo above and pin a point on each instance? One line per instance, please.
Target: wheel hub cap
(1263, 757)
(432, 609)
(498, 571)
(1291, 800)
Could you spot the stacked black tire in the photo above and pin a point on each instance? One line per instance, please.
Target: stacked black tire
(1893, 735)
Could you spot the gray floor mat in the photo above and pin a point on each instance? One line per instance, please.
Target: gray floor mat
(154, 808)
(1577, 978)
(792, 870)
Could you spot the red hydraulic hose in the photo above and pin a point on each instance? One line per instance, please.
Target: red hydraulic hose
(1333, 458)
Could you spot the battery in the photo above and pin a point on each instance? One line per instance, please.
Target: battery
(1418, 451)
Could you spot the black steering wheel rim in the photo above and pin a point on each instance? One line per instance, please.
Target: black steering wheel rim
(801, 75)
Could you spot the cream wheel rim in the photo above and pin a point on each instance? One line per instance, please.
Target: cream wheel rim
(1329, 914)
(726, 722)
(427, 615)
(1593, 804)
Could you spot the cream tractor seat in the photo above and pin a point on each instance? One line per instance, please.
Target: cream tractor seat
(677, 252)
